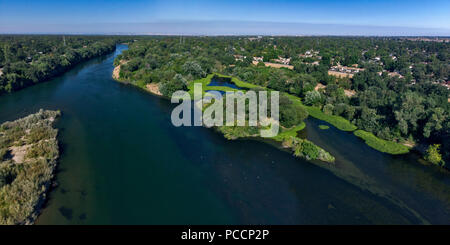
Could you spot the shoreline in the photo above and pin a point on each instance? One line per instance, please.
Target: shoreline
(325, 156)
(59, 72)
(337, 121)
(150, 87)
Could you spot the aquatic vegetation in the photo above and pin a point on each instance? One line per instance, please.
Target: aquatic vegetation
(28, 151)
(386, 146)
(337, 121)
(235, 132)
(324, 127)
(291, 132)
(306, 149)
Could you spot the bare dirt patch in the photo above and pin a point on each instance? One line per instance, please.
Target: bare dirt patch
(319, 86)
(275, 65)
(339, 74)
(349, 93)
(153, 88)
(19, 152)
(116, 70)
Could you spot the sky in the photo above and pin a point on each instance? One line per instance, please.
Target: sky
(227, 17)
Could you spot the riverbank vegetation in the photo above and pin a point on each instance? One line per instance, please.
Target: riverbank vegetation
(337, 121)
(287, 136)
(380, 144)
(27, 60)
(433, 155)
(396, 92)
(28, 155)
(306, 149)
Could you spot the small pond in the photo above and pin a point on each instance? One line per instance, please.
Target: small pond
(223, 82)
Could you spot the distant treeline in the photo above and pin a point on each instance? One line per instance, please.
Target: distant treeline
(30, 59)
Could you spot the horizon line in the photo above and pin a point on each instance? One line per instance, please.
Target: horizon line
(213, 35)
(220, 28)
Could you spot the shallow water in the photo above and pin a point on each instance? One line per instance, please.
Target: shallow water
(222, 82)
(123, 162)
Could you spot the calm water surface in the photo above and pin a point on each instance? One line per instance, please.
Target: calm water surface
(123, 162)
(223, 82)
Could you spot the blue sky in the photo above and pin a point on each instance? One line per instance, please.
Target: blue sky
(93, 16)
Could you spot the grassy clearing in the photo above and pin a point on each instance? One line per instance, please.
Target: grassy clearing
(324, 127)
(390, 147)
(291, 132)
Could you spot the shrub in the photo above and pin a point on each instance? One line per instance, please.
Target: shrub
(433, 155)
(307, 149)
(313, 98)
(23, 184)
(328, 109)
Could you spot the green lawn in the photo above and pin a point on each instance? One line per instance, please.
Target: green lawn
(373, 141)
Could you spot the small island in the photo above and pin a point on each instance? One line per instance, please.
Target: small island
(28, 153)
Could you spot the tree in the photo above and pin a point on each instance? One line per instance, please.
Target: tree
(368, 120)
(313, 98)
(328, 109)
(433, 155)
(169, 87)
(409, 112)
(2, 58)
(290, 115)
(435, 121)
(326, 60)
(419, 72)
(194, 69)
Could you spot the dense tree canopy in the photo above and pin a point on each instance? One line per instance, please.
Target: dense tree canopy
(411, 105)
(27, 60)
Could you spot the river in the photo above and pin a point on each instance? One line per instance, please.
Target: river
(122, 162)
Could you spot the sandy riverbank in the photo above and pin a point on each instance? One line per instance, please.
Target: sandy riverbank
(116, 70)
(150, 87)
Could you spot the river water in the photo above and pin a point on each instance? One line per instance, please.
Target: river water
(122, 162)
